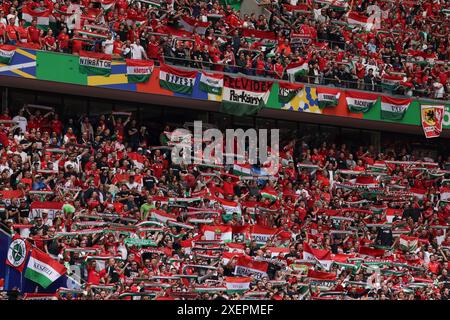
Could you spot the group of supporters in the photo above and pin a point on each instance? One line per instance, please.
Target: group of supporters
(103, 196)
(354, 44)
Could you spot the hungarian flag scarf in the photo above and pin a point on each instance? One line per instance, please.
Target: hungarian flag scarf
(7, 53)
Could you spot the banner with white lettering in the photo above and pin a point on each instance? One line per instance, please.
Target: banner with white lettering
(95, 63)
(242, 96)
(139, 70)
(176, 80)
(360, 101)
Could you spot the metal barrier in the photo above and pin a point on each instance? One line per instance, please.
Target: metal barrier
(315, 81)
(263, 74)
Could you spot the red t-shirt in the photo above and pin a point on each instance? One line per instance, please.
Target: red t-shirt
(11, 32)
(63, 40)
(95, 276)
(49, 40)
(153, 50)
(56, 126)
(23, 33)
(34, 34)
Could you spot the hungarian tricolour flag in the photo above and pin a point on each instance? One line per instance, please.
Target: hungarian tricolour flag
(432, 117)
(220, 233)
(42, 269)
(297, 69)
(445, 193)
(95, 63)
(357, 19)
(246, 266)
(139, 70)
(162, 216)
(287, 91)
(419, 193)
(229, 207)
(7, 53)
(408, 244)
(108, 5)
(238, 283)
(393, 109)
(322, 256)
(211, 83)
(270, 194)
(176, 80)
(243, 96)
(243, 169)
(191, 24)
(328, 97)
(391, 82)
(42, 16)
(360, 101)
(53, 208)
(261, 234)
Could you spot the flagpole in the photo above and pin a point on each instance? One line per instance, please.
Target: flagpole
(6, 285)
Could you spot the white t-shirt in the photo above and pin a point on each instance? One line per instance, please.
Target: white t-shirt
(137, 51)
(134, 185)
(22, 122)
(2, 168)
(108, 46)
(23, 155)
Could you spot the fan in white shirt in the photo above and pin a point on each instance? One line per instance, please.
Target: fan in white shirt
(137, 51)
(22, 122)
(108, 45)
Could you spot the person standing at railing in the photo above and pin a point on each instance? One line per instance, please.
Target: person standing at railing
(34, 33)
(229, 60)
(10, 33)
(50, 41)
(117, 46)
(314, 74)
(259, 65)
(22, 33)
(63, 41)
(369, 81)
(278, 69)
(360, 71)
(108, 44)
(153, 47)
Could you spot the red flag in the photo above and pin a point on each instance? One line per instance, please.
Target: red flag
(321, 275)
(371, 252)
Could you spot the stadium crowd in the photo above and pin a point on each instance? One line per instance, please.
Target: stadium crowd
(408, 43)
(333, 223)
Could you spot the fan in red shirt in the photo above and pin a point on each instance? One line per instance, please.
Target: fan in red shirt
(63, 41)
(50, 41)
(34, 34)
(10, 32)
